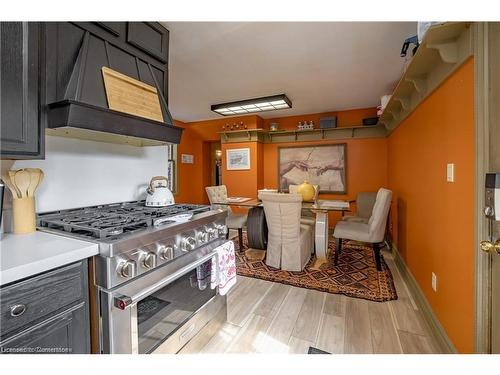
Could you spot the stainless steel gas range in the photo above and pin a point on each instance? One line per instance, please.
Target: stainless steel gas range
(149, 294)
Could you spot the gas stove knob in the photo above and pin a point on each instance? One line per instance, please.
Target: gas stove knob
(222, 229)
(203, 236)
(188, 244)
(166, 252)
(126, 268)
(149, 260)
(212, 233)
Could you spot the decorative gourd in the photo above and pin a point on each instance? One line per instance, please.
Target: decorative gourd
(307, 191)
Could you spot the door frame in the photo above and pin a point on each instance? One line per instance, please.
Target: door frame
(483, 280)
(485, 127)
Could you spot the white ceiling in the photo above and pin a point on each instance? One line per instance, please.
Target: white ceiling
(321, 67)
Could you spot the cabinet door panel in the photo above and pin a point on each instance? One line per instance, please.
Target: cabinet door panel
(64, 333)
(122, 62)
(150, 38)
(21, 126)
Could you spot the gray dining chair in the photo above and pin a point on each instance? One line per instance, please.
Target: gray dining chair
(372, 232)
(290, 243)
(218, 194)
(364, 206)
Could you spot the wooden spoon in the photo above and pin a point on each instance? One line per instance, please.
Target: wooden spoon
(8, 182)
(22, 180)
(36, 177)
(12, 175)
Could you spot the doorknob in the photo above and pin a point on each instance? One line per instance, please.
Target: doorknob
(490, 247)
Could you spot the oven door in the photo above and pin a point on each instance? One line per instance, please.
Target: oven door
(145, 314)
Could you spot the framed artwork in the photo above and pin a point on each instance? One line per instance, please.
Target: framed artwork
(323, 165)
(238, 159)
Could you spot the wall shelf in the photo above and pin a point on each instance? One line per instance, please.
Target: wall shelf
(280, 136)
(243, 135)
(443, 50)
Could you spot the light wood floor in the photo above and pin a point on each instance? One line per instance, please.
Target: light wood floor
(266, 317)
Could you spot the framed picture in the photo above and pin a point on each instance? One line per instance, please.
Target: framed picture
(238, 159)
(323, 165)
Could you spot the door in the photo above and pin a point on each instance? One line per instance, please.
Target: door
(160, 314)
(494, 166)
(142, 315)
(215, 163)
(487, 63)
(22, 132)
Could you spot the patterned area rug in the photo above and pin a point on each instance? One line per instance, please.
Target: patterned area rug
(354, 276)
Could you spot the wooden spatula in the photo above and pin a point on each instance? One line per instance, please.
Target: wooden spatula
(6, 179)
(36, 177)
(12, 175)
(22, 180)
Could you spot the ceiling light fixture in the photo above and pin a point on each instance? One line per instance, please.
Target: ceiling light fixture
(267, 103)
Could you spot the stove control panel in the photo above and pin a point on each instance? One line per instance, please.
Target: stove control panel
(148, 256)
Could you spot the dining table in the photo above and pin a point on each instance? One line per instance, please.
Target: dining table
(257, 226)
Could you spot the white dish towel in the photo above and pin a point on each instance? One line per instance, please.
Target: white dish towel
(224, 265)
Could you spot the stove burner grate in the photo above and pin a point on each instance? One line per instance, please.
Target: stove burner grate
(110, 221)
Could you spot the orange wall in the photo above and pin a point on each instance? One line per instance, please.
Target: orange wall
(191, 177)
(196, 138)
(366, 167)
(434, 218)
(243, 183)
(361, 153)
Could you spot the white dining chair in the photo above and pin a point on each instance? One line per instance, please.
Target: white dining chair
(290, 243)
(218, 194)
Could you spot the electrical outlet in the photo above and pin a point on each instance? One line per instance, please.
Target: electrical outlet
(434, 282)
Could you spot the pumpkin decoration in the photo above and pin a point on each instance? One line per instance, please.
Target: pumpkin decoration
(307, 191)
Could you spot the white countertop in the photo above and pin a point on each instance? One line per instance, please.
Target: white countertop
(24, 255)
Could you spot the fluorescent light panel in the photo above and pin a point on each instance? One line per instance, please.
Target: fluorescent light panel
(269, 103)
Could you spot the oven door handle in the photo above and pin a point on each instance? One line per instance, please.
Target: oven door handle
(122, 302)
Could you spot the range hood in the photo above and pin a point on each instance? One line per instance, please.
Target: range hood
(82, 111)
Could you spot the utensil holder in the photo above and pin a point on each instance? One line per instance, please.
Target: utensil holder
(23, 212)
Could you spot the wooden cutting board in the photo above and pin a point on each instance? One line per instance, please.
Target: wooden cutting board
(128, 95)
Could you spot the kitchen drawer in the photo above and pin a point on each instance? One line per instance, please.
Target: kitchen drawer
(63, 333)
(28, 301)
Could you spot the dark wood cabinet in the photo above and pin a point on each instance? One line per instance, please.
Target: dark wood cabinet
(38, 59)
(47, 313)
(21, 118)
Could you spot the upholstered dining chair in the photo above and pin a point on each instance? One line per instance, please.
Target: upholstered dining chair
(290, 243)
(307, 216)
(372, 232)
(364, 206)
(218, 194)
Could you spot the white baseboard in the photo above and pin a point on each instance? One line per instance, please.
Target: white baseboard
(435, 327)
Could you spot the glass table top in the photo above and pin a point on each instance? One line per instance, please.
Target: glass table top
(319, 205)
